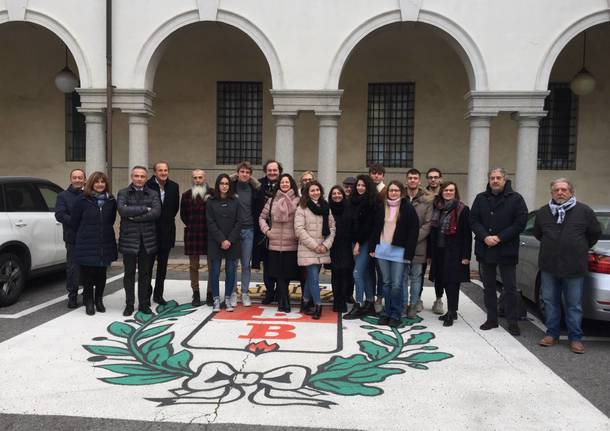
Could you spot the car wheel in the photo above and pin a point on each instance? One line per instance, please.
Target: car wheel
(12, 278)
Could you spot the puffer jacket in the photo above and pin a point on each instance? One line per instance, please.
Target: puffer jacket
(423, 207)
(138, 211)
(95, 243)
(63, 211)
(281, 234)
(308, 228)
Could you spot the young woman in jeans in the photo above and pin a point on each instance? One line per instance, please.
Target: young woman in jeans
(315, 228)
(93, 219)
(393, 242)
(277, 224)
(224, 229)
(361, 207)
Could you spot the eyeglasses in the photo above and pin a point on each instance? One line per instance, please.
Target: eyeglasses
(433, 178)
(393, 191)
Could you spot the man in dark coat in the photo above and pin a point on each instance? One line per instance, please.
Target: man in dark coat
(63, 211)
(497, 217)
(193, 215)
(169, 194)
(273, 170)
(139, 208)
(566, 229)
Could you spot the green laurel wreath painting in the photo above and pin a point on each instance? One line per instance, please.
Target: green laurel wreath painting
(142, 354)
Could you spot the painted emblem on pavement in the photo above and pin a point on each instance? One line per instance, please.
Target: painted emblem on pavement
(141, 351)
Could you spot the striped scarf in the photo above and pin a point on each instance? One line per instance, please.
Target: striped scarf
(559, 211)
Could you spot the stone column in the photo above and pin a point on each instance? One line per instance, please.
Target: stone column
(527, 156)
(284, 141)
(138, 140)
(478, 155)
(327, 150)
(95, 144)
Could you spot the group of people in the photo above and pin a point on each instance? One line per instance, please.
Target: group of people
(377, 239)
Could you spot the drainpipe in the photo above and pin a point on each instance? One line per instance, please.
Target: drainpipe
(109, 89)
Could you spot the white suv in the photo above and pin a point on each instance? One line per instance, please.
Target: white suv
(31, 239)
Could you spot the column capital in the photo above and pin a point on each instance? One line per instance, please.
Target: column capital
(138, 118)
(290, 102)
(92, 100)
(284, 120)
(93, 117)
(479, 120)
(491, 103)
(529, 119)
(133, 101)
(328, 119)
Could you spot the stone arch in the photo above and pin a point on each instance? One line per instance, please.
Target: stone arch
(59, 30)
(560, 42)
(152, 50)
(458, 38)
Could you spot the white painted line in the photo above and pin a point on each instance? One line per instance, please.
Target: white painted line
(49, 303)
(540, 325)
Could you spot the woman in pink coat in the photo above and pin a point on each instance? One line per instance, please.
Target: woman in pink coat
(277, 224)
(315, 228)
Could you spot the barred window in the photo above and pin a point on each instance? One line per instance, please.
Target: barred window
(391, 108)
(557, 133)
(75, 129)
(239, 122)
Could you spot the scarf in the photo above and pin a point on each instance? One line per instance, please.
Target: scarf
(321, 209)
(559, 211)
(445, 215)
(337, 208)
(99, 198)
(392, 209)
(284, 207)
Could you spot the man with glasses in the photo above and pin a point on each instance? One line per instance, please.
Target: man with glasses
(435, 179)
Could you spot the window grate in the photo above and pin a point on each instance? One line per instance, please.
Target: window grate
(557, 133)
(391, 109)
(239, 122)
(75, 129)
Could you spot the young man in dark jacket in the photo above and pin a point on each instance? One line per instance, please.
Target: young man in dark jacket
(169, 195)
(63, 211)
(139, 208)
(497, 217)
(566, 229)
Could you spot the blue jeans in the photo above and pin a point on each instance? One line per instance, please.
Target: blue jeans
(247, 240)
(392, 274)
(312, 284)
(362, 275)
(413, 279)
(552, 289)
(230, 273)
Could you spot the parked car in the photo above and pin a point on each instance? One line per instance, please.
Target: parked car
(31, 239)
(596, 292)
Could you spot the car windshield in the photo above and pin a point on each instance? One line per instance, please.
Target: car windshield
(604, 220)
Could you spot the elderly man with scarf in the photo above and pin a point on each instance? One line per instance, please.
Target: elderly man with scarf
(498, 216)
(566, 229)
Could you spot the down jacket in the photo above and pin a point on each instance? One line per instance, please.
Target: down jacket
(281, 234)
(138, 210)
(308, 228)
(95, 243)
(63, 211)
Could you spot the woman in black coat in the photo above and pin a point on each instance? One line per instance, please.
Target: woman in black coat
(95, 248)
(451, 246)
(342, 259)
(224, 227)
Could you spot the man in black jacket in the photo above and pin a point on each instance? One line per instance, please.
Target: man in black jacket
(138, 207)
(169, 195)
(497, 217)
(63, 213)
(566, 229)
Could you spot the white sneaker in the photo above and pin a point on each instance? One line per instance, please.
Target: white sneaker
(245, 299)
(232, 301)
(216, 306)
(437, 307)
(229, 306)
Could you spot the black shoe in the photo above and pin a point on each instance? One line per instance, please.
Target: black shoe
(128, 311)
(72, 302)
(369, 308)
(209, 299)
(317, 312)
(305, 307)
(342, 308)
(350, 300)
(394, 323)
(99, 305)
(145, 309)
(445, 316)
(513, 329)
(196, 302)
(383, 320)
(489, 324)
(159, 300)
(448, 320)
(355, 313)
(89, 309)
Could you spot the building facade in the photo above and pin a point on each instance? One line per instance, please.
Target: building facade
(326, 85)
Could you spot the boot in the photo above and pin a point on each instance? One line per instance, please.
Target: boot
(369, 308)
(196, 299)
(305, 307)
(99, 303)
(317, 312)
(209, 299)
(88, 300)
(355, 313)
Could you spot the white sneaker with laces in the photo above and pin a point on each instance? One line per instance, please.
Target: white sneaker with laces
(216, 306)
(245, 300)
(232, 300)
